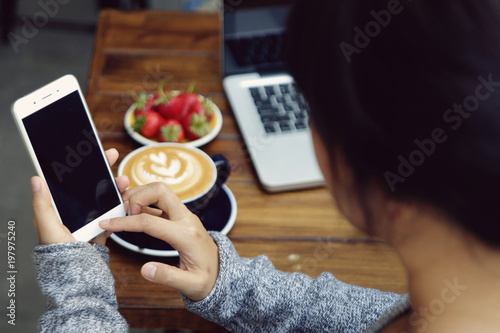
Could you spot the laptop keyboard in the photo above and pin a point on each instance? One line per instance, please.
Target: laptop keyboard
(256, 50)
(282, 108)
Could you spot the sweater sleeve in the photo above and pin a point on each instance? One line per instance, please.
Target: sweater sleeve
(250, 295)
(80, 289)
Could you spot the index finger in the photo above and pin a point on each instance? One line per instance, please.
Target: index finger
(155, 226)
(157, 194)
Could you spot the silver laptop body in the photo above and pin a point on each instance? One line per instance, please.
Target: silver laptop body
(270, 116)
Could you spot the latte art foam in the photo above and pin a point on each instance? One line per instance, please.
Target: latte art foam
(187, 173)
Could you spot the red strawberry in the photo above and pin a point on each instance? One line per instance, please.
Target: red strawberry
(167, 105)
(162, 103)
(171, 131)
(196, 125)
(143, 102)
(176, 107)
(140, 113)
(148, 125)
(200, 109)
(187, 101)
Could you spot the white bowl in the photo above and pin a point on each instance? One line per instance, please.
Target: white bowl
(216, 124)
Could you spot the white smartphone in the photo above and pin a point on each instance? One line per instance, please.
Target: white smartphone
(63, 144)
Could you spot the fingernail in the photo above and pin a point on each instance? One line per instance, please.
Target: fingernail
(149, 272)
(104, 222)
(35, 184)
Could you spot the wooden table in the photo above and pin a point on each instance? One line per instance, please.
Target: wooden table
(299, 231)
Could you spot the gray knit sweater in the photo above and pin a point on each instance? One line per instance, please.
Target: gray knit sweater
(250, 295)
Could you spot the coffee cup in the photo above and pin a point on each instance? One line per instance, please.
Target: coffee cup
(192, 175)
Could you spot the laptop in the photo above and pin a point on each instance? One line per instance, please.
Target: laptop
(271, 114)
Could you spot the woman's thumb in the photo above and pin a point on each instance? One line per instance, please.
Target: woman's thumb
(163, 274)
(174, 277)
(47, 224)
(42, 206)
(149, 270)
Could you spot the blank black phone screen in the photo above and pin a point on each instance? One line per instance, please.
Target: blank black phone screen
(71, 161)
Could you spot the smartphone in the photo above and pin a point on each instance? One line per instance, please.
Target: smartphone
(62, 141)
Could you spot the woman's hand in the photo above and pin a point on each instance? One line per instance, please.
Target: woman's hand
(176, 225)
(50, 229)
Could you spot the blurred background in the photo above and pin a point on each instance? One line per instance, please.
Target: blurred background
(63, 46)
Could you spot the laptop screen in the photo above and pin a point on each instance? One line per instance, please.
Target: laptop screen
(232, 5)
(252, 35)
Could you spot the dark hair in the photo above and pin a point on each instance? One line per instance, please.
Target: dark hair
(410, 93)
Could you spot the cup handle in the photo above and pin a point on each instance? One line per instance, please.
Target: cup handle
(223, 168)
